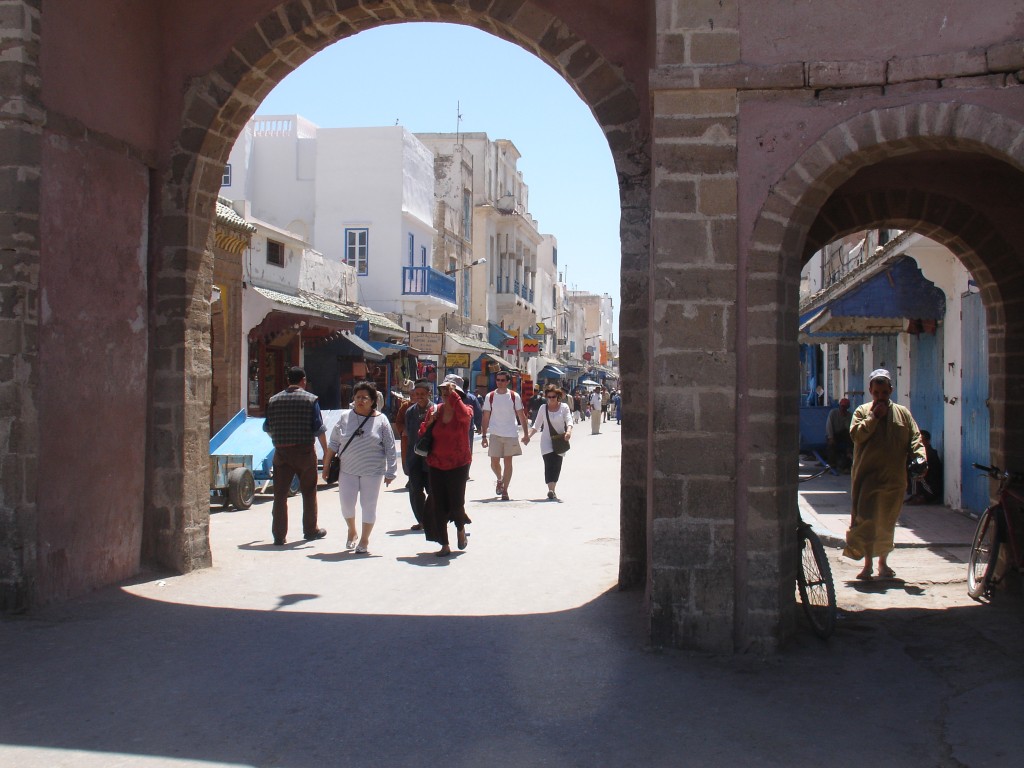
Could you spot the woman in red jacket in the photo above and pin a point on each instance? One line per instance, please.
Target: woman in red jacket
(448, 461)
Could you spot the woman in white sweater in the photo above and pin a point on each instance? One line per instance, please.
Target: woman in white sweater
(364, 439)
(554, 417)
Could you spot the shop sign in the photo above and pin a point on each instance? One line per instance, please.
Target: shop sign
(456, 360)
(426, 342)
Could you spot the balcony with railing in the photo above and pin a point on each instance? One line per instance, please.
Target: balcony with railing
(427, 281)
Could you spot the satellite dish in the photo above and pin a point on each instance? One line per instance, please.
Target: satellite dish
(506, 204)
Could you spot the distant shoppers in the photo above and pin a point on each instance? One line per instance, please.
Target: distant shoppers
(606, 399)
(535, 403)
(416, 465)
(449, 461)
(595, 411)
(293, 422)
(577, 407)
(503, 413)
(366, 445)
(837, 435)
(554, 418)
(884, 436)
(617, 404)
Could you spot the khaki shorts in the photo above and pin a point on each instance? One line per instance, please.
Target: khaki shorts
(498, 446)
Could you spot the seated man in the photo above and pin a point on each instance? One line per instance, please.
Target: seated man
(927, 488)
(837, 433)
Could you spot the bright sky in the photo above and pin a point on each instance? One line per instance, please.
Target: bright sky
(423, 74)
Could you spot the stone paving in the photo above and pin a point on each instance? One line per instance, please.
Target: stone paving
(518, 652)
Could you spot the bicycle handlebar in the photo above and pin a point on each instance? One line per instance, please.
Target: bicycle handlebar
(992, 471)
(996, 473)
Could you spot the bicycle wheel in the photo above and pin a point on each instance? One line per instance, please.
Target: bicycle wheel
(984, 554)
(814, 580)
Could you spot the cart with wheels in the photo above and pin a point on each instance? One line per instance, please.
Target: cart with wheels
(242, 462)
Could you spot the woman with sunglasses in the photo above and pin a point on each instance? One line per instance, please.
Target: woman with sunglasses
(366, 444)
(553, 418)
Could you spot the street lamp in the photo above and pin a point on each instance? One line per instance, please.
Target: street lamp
(467, 266)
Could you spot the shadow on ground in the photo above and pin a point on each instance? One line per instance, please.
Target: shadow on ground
(120, 674)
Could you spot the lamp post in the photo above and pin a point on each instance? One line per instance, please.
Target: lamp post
(443, 363)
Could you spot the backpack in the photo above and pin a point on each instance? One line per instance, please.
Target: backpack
(512, 394)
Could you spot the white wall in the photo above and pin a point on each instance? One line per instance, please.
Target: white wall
(257, 271)
(381, 179)
(947, 272)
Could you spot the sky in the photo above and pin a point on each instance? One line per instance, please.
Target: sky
(423, 75)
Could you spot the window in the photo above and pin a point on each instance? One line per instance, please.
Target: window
(467, 214)
(225, 180)
(357, 250)
(423, 255)
(275, 253)
(412, 250)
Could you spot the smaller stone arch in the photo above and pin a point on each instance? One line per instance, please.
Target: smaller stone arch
(821, 197)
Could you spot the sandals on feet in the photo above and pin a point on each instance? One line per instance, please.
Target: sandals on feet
(886, 573)
(463, 539)
(864, 576)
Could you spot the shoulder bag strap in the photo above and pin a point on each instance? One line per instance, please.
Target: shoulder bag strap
(365, 419)
(551, 429)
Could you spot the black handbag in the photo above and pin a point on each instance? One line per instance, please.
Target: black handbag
(334, 469)
(426, 442)
(559, 442)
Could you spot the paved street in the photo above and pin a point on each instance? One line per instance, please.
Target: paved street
(517, 652)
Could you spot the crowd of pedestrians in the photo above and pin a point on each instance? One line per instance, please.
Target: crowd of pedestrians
(433, 443)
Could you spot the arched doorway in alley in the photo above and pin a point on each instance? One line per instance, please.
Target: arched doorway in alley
(949, 172)
(217, 108)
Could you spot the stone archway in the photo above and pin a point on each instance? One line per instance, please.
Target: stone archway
(845, 181)
(216, 108)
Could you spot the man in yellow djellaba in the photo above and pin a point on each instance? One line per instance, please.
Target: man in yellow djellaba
(884, 436)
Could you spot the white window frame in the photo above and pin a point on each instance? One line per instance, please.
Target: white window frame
(357, 254)
(225, 180)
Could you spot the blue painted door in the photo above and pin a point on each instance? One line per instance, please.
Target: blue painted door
(926, 378)
(974, 493)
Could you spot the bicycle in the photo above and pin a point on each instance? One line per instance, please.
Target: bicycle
(995, 529)
(814, 576)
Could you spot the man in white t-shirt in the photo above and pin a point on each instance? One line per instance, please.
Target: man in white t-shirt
(596, 398)
(503, 413)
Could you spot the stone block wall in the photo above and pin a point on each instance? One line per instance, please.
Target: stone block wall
(21, 121)
(695, 310)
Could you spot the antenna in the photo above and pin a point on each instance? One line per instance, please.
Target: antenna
(458, 121)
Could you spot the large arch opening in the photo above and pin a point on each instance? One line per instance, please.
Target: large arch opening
(217, 107)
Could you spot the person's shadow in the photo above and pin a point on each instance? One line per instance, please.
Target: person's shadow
(429, 559)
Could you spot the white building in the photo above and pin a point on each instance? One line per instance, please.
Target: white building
(480, 178)
(361, 196)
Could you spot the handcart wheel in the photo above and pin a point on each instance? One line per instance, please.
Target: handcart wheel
(241, 488)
